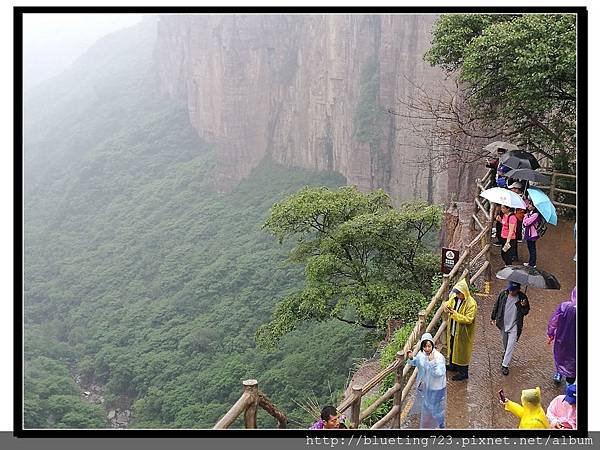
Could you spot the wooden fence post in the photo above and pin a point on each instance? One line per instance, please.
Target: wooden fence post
(552, 186)
(355, 411)
(251, 387)
(443, 336)
(398, 394)
(488, 255)
(248, 397)
(422, 317)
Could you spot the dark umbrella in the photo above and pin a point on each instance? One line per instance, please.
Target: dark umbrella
(513, 162)
(519, 159)
(529, 276)
(527, 174)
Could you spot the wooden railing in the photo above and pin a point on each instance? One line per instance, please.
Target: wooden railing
(436, 326)
(248, 404)
(552, 189)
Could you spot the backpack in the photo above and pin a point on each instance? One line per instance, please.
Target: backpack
(520, 213)
(541, 225)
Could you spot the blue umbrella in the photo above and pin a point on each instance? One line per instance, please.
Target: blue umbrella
(543, 204)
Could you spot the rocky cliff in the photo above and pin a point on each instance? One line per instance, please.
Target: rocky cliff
(307, 90)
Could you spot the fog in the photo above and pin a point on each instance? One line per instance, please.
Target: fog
(52, 42)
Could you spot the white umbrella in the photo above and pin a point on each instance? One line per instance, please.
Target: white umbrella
(494, 146)
(504, 197)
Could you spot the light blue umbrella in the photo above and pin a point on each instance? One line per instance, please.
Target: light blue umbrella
(543, 204)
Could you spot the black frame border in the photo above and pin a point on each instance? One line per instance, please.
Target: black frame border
(582, 199)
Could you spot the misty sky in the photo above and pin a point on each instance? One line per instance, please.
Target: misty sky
(52, 42)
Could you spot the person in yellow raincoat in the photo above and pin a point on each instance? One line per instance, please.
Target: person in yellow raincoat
(531, 413)
(460, 332)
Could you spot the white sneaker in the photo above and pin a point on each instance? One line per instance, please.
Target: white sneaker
(525, 264)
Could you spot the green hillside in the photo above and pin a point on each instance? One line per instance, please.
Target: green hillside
(138, 276)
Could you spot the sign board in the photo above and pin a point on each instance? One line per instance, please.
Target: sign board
(449, 259)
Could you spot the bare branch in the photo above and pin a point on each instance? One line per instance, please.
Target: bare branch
(441, 123)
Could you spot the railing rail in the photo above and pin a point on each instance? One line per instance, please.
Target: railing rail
(552, 189)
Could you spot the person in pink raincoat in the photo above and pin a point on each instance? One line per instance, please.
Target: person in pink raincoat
(562, 330)
(562, 411)
(530, 222)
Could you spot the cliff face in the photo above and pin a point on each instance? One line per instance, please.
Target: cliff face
(309, 91)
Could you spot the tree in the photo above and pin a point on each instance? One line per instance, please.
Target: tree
(518, 71)
(70, 411)
(365, 262)
(451, 133)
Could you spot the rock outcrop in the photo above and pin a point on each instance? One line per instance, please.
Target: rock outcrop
(118, 415)
(307, 90)
(456, 231)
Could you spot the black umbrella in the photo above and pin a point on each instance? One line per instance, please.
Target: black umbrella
(527, 174)
(529, 276)
(519, 159)
(514, 163)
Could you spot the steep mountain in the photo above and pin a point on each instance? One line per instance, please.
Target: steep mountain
(308, 90)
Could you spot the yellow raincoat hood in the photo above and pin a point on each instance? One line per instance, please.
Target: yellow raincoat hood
(464, 318)
(531, 413)
(461, 286)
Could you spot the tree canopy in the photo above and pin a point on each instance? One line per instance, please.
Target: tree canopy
(365, 262)
(518, 71)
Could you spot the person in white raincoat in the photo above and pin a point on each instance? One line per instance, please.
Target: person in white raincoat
(431, 383)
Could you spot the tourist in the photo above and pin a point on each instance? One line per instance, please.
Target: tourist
(494, 163)
(497, 230)
(511, 307)
(501, 178)
(500, 182)
(531, 221)
(517, 188)
(530, 411)
(329, 419)
(431, 383)
(508, 234)
(460, 332)
(562, 411)
(562, 331)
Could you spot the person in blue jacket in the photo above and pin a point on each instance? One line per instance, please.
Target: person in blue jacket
(501, 178)
(430, 395)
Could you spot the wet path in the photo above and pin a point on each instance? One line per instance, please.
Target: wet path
(474, 404)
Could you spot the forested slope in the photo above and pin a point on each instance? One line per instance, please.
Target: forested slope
(138, 275)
